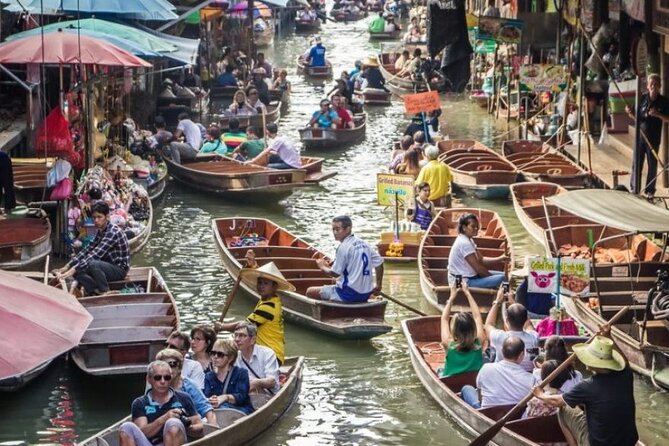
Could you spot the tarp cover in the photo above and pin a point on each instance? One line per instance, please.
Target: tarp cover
(617, 209)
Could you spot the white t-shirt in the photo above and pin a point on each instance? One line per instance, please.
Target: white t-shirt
(567, 386)
(389, 27)
(457, 264)
(193, 369)
(355, 262)
(286, 151)
(530, 338)
(191, 132)
(503, 383)
(263, 362)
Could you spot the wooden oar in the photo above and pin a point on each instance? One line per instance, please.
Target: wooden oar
(231, 297)
(487, 436)
(402, 304)
(46, 269)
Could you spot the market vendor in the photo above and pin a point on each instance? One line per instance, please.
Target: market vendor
(106, 259)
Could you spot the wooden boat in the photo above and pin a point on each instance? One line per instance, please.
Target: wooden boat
(480, 98)
(537, 161)
(477, 169)
(154, 188)
(328, 139)
(492, 241)
(296, 259)
(30, 179)
(242, 431)
(403, 85)
(323, 72)
(394, 35)
(24, 241)
(376, 96)
(307, 26)
(128, 329)
(264, 38)
(16, 383)
(282, 97)
(427, 356)
(236, 180)
(258, 121)
(347, 16)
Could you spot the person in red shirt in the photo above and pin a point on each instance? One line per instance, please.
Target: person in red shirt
(339, 106)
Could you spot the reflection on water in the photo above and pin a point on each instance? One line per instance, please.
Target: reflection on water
(353, 392)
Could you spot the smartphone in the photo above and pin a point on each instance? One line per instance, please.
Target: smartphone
(458, 281)
(505, 287)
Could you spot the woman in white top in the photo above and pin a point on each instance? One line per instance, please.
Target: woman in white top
(465, 260)
(240, 105)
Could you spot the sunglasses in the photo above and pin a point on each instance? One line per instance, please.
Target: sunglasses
(172, 346)
(174, 364)
(162, 377)
(218, 354)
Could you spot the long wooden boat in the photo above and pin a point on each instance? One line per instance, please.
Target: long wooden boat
(258, 120)
(403, 85)
(221, 98)
(243, 430)
(538, 161)
(18, 382)
(264, 38)
(328, 139)
(348, 16)
(232, 179)
(427, 356)
(307, 26)
(477, 169)
(24, 241)
(394, 35)
(323, 72)
(493, 240)
(128, 329)
(376, 97)
(296, 259)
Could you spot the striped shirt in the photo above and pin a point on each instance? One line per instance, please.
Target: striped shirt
(268, 317)
(233, 139)
(109, 245)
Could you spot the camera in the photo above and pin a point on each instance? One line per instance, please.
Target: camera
(185, 419)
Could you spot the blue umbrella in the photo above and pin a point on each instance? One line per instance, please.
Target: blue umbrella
(133, 9)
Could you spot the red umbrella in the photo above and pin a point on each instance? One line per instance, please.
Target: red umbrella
(37, 323)
(66, 48)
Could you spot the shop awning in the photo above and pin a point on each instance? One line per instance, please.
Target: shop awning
(136, 9)
(186, 52)
(617, 209)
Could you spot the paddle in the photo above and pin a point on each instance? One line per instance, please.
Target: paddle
(487, 436)
(402, 304)
(230, 298)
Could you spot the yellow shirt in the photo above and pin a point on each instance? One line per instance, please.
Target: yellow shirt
(267, 315)
(438, 176)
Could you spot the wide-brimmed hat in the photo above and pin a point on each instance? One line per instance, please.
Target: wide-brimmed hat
(371, 62)
(600, 354)
(267, 271)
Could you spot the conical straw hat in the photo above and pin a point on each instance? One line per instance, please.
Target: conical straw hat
(267, 271)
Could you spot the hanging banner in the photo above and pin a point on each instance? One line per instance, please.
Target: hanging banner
(543, 77)
(500, 30)
(574, 276)
(421, 102)
(390, 187)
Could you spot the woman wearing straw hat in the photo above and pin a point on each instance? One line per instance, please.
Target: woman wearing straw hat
(267, 315)
(607, 396)
(372, 75)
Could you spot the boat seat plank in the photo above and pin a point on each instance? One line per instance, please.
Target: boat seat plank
(116, 299)
(125, 335)
(273, 251)
(130, 310)
(137, 321)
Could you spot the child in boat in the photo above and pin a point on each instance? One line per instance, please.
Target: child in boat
(422, 211)
(538, 408)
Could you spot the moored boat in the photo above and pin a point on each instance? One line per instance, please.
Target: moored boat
(376, 96)
(259, 121)
(129, 328)
(307, 26)
(321, 72)
(493, 240)
(20, 381)
(348, 16)
(538, 161)
(477, 169)
(296, 259)
(329, 138)
(243, 430)
(393, 35)
(427, 356)
(403, 85)
(236, 180)
(24, 241)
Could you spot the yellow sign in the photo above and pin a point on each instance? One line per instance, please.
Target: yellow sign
(390, 186)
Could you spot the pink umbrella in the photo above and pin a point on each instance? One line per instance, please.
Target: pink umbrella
(37, 323)
(66, 48)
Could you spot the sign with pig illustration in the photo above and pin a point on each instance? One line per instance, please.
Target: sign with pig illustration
(574, 276)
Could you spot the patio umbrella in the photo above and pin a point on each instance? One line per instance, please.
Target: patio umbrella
(135, 9)
(65, 48)
(37, 323)
(241, 9)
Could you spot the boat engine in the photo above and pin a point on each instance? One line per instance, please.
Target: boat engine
(660, 296)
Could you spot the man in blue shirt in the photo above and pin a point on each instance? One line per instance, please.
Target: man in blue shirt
(316, 57)
(227, 79)
(324, 118)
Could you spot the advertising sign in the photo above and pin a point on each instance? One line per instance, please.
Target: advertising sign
(543, 77)
(390, 186)
(421, 102)
(500, 30)
(574, 276)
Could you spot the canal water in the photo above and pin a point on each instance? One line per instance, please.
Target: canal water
(353, 392)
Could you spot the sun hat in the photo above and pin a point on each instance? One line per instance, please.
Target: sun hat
(371, 62)
(267, 271)
(600, 354)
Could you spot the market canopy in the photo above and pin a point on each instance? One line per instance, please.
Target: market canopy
(187, 49)
(617, 209)
(131, 9)
(66, 48)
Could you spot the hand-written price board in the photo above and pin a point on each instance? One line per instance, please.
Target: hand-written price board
(389, 186)
(421, 102)
(574, 276)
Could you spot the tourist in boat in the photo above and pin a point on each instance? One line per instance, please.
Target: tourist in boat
(342, 88)
(256, 103)
(234, 136)
(281, 82)
(261, 62)
(402, 60)
(324, 118)
(517, 323)
(438, 176)
(352, 267)
(420, 123)
(240, 105)
(251, 148)
(316, 56)
(260, 84)
(607, 397)
(413, 24)
(555, 349)
(227, 78)
(372, 75)
(397, 156)
(462, 337)
(345, 120)
(501, 383)
(390, 25)
(421, 209)
(186, 385)
(190, 79)
(162, 137)
(191, 369)
(280, 153)
(157, 415)
(491, 10)
(410, 164)
(537, 407)
(466, 261)
(213, 144)
(267, 315)
(105, 259)
(188, 140)
(202, 338)
(227, 387)
(260, 361)
(377, 24)
(307, 15)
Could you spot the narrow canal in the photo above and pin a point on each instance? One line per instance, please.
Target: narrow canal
(353, 392)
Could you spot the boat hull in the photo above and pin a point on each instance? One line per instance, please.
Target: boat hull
(19, 382)
(307, 26)
(332, 139)
(385, 36)
(24, 242)
(323, 72)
